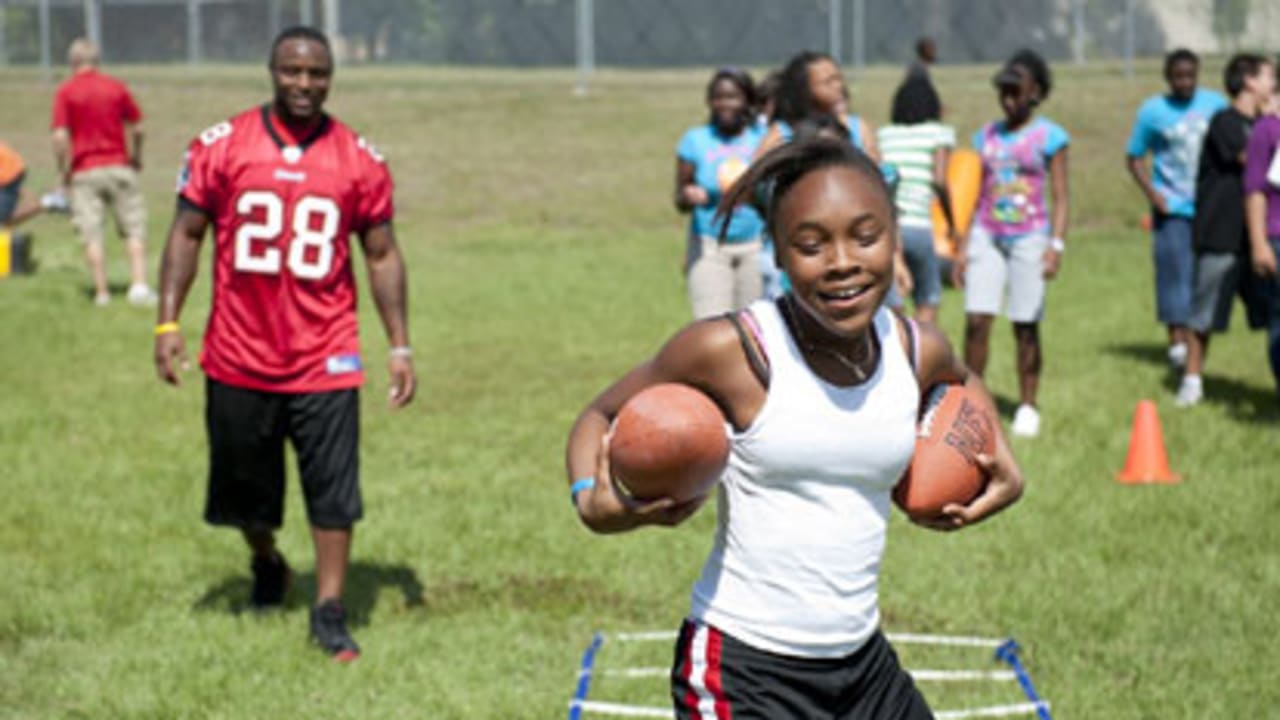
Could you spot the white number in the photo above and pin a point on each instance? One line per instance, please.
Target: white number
(310, 248)
(215, 133)
(305, 237)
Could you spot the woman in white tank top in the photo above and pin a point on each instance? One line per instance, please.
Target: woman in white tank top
(822, 390)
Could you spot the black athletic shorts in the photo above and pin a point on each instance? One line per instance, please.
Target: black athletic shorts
(715, 677)
(247, 431)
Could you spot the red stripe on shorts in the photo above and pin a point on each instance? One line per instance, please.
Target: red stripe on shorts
(690, 696)
(714, 682)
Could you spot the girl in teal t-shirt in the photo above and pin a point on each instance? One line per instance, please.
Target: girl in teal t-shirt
(721, 261)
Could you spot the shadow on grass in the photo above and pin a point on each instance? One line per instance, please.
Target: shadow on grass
(364, 584)
(1152, 353)
(115, 287)
(1005, 405)
(552, 595)
(1242, 402)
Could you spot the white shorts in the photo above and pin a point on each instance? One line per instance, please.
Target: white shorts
(994, 265)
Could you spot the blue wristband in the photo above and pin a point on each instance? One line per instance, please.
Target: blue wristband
(578, 486)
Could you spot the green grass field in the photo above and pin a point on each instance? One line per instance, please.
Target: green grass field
(544, 261)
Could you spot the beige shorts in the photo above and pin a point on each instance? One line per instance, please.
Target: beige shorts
(93, 190)
(722, 276)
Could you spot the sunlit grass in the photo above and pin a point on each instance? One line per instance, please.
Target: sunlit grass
(544, 259)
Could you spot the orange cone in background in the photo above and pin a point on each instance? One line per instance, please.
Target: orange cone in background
(1147, 461)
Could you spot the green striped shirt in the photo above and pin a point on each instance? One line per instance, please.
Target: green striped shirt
(910, 148)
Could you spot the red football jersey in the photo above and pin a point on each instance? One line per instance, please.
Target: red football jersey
(284, 295)
(94, 107)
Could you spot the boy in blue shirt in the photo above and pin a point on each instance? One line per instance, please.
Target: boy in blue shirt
(1172, 128)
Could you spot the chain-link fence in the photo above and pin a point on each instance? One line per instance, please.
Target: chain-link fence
(636, 32)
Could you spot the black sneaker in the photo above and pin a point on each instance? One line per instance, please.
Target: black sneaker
(329, 631)
(271, 579)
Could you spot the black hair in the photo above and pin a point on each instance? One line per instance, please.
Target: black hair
(1239, 67)
(794, 101)
(298, 32)
(772, 176)
(1034, 63)
(915, 101)
(767, 89)
(923, 44)
(820, 125)
(1177, 56)
(740, 78)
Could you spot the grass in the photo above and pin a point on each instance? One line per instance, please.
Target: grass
(544, 261)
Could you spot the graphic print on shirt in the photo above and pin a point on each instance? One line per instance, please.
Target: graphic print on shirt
(728, 172)
(1017, 186)
(1179, 161)
(717, 163)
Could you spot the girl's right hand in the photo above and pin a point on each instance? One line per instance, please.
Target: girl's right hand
(605, 509)
(694, 195)
(957, 270)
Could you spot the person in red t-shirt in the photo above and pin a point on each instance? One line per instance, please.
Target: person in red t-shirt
(285, 186)
(97, 142)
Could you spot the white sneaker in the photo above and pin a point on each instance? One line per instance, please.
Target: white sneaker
(1191, 392)
(140, 294)
(1178, 355)
(55, 201)
(102, 299)
(1026, 421)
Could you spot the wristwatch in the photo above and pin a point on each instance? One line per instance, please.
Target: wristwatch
(1057, 245)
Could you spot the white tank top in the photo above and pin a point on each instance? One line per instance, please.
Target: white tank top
(804, 502)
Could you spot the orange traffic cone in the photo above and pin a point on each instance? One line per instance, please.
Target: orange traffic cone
(1147, 461)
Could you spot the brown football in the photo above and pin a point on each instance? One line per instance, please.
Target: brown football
(954, 427)
(669, 441)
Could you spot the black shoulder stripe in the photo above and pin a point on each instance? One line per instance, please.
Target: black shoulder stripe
(185, 204)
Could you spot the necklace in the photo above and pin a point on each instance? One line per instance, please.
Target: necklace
(848, 363)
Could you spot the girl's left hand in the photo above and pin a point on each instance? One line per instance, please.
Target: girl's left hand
(1052, 262)
(1004, 487)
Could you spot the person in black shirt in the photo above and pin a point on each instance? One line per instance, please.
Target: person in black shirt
(1218, 235)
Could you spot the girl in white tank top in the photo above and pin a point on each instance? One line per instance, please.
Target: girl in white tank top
(822, 391)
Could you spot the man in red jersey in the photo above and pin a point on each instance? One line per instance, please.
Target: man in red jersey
(97, 143)
(285, 186)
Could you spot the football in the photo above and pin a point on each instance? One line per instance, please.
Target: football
(954, 428)
(669, 441)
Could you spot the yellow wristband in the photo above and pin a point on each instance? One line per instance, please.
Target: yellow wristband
(166, 328)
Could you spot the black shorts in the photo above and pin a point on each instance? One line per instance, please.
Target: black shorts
(247, 431)
(1218, 279)
(716, 676)
(10, 193)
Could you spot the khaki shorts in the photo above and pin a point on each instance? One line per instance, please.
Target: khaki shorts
(722, 276)
(92, 191)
